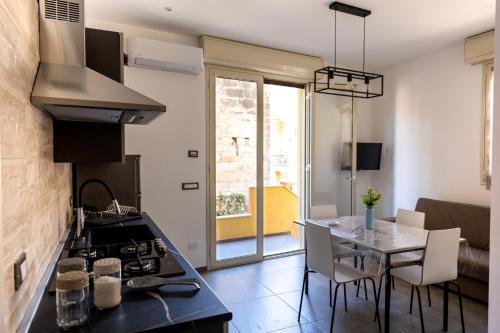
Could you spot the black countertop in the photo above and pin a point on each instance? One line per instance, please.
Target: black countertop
(141, 312)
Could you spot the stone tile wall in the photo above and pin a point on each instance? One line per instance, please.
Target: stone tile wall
(35, 192)
(236, 136)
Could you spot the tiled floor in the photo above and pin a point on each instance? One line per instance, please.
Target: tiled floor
(273, 244)
(264, 297)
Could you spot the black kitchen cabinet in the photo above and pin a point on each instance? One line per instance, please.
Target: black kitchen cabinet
(85, 142)
(104, 52)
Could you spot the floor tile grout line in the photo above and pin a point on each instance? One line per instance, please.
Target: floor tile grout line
(248, 300)
(308, 320)
(292, 309)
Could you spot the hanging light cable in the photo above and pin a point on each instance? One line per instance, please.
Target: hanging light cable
(343, 81)
(366, 87)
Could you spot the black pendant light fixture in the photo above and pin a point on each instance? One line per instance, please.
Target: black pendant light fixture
(338, 81)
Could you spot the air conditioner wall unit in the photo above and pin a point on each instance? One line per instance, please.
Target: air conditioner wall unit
(164, 56)
(479, 48)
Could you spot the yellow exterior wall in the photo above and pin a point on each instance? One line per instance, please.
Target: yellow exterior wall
(281, 207)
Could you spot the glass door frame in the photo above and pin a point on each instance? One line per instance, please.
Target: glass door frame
(214, 71)
(309, 174)
(304, 133)
(213, 74)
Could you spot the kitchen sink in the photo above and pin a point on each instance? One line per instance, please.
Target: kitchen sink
(120, 234)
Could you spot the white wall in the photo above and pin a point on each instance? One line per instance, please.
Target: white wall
(430, 122)
(163, 145)
(494, 296)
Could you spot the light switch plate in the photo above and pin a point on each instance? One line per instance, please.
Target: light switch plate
(190, 186)
(20, 271)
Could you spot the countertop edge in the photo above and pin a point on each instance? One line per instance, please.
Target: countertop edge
(220, 316)
(31, 310)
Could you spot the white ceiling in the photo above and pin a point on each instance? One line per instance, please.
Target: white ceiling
(396, 30)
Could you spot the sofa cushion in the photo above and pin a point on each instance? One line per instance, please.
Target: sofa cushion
(474, 263)
(473, 220)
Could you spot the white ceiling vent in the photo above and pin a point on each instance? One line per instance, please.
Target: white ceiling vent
(62, 10)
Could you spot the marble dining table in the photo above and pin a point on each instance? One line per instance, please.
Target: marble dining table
(387, 238)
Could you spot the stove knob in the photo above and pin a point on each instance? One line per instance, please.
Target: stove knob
(160, 246)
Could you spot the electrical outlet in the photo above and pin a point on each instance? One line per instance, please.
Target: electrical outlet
(192, 246)
(20, 271)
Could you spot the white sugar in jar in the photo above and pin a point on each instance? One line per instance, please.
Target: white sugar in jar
(107, 283)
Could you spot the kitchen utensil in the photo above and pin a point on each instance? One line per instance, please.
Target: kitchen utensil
(148, 283)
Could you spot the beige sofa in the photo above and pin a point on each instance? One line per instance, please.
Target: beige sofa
(474, 221)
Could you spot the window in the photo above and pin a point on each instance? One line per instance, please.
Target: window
(486, 150)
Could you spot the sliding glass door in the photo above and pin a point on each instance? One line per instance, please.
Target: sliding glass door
(236, 104)
(283, 160)
(256, 166)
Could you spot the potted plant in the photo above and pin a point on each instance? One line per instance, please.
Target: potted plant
(370, 199)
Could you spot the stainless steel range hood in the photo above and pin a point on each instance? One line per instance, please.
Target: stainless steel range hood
(67, 89)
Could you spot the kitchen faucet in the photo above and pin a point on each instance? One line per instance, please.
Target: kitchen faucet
(80, 216)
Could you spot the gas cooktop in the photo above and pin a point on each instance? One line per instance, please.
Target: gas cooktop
(149, 257)
(138, 257)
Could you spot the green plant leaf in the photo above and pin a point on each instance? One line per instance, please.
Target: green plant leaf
(371, 197)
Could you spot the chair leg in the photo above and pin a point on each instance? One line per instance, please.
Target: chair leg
(429, 295)
(377, 314)
(345, 298)
(334, 305)
(420, 309)
(461, 305)
(366, 293)
(330, 293)
(359, 282)
(379, 290)
(302, 293)
(393, 283)
(411, 298)
(380, 284)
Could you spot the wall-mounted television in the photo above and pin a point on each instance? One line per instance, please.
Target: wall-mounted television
(368, 156)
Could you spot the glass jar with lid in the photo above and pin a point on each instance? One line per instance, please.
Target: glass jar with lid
(107, 283)
(72, 295)
(71, 264)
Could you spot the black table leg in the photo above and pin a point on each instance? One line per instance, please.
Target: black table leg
(445, 306)
(355, 258)
(387, 310)
(355, 262)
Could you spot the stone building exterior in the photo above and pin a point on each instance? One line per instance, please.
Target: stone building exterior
(236, 135)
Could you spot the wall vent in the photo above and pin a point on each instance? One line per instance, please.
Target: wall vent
(62, 10)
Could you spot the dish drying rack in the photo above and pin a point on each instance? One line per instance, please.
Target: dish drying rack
(110, 215)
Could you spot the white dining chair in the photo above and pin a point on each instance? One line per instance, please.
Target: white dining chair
(438, 265)
(320, 259)
(410, 218)
(414, 219)
(323, 211)
(341, 251)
